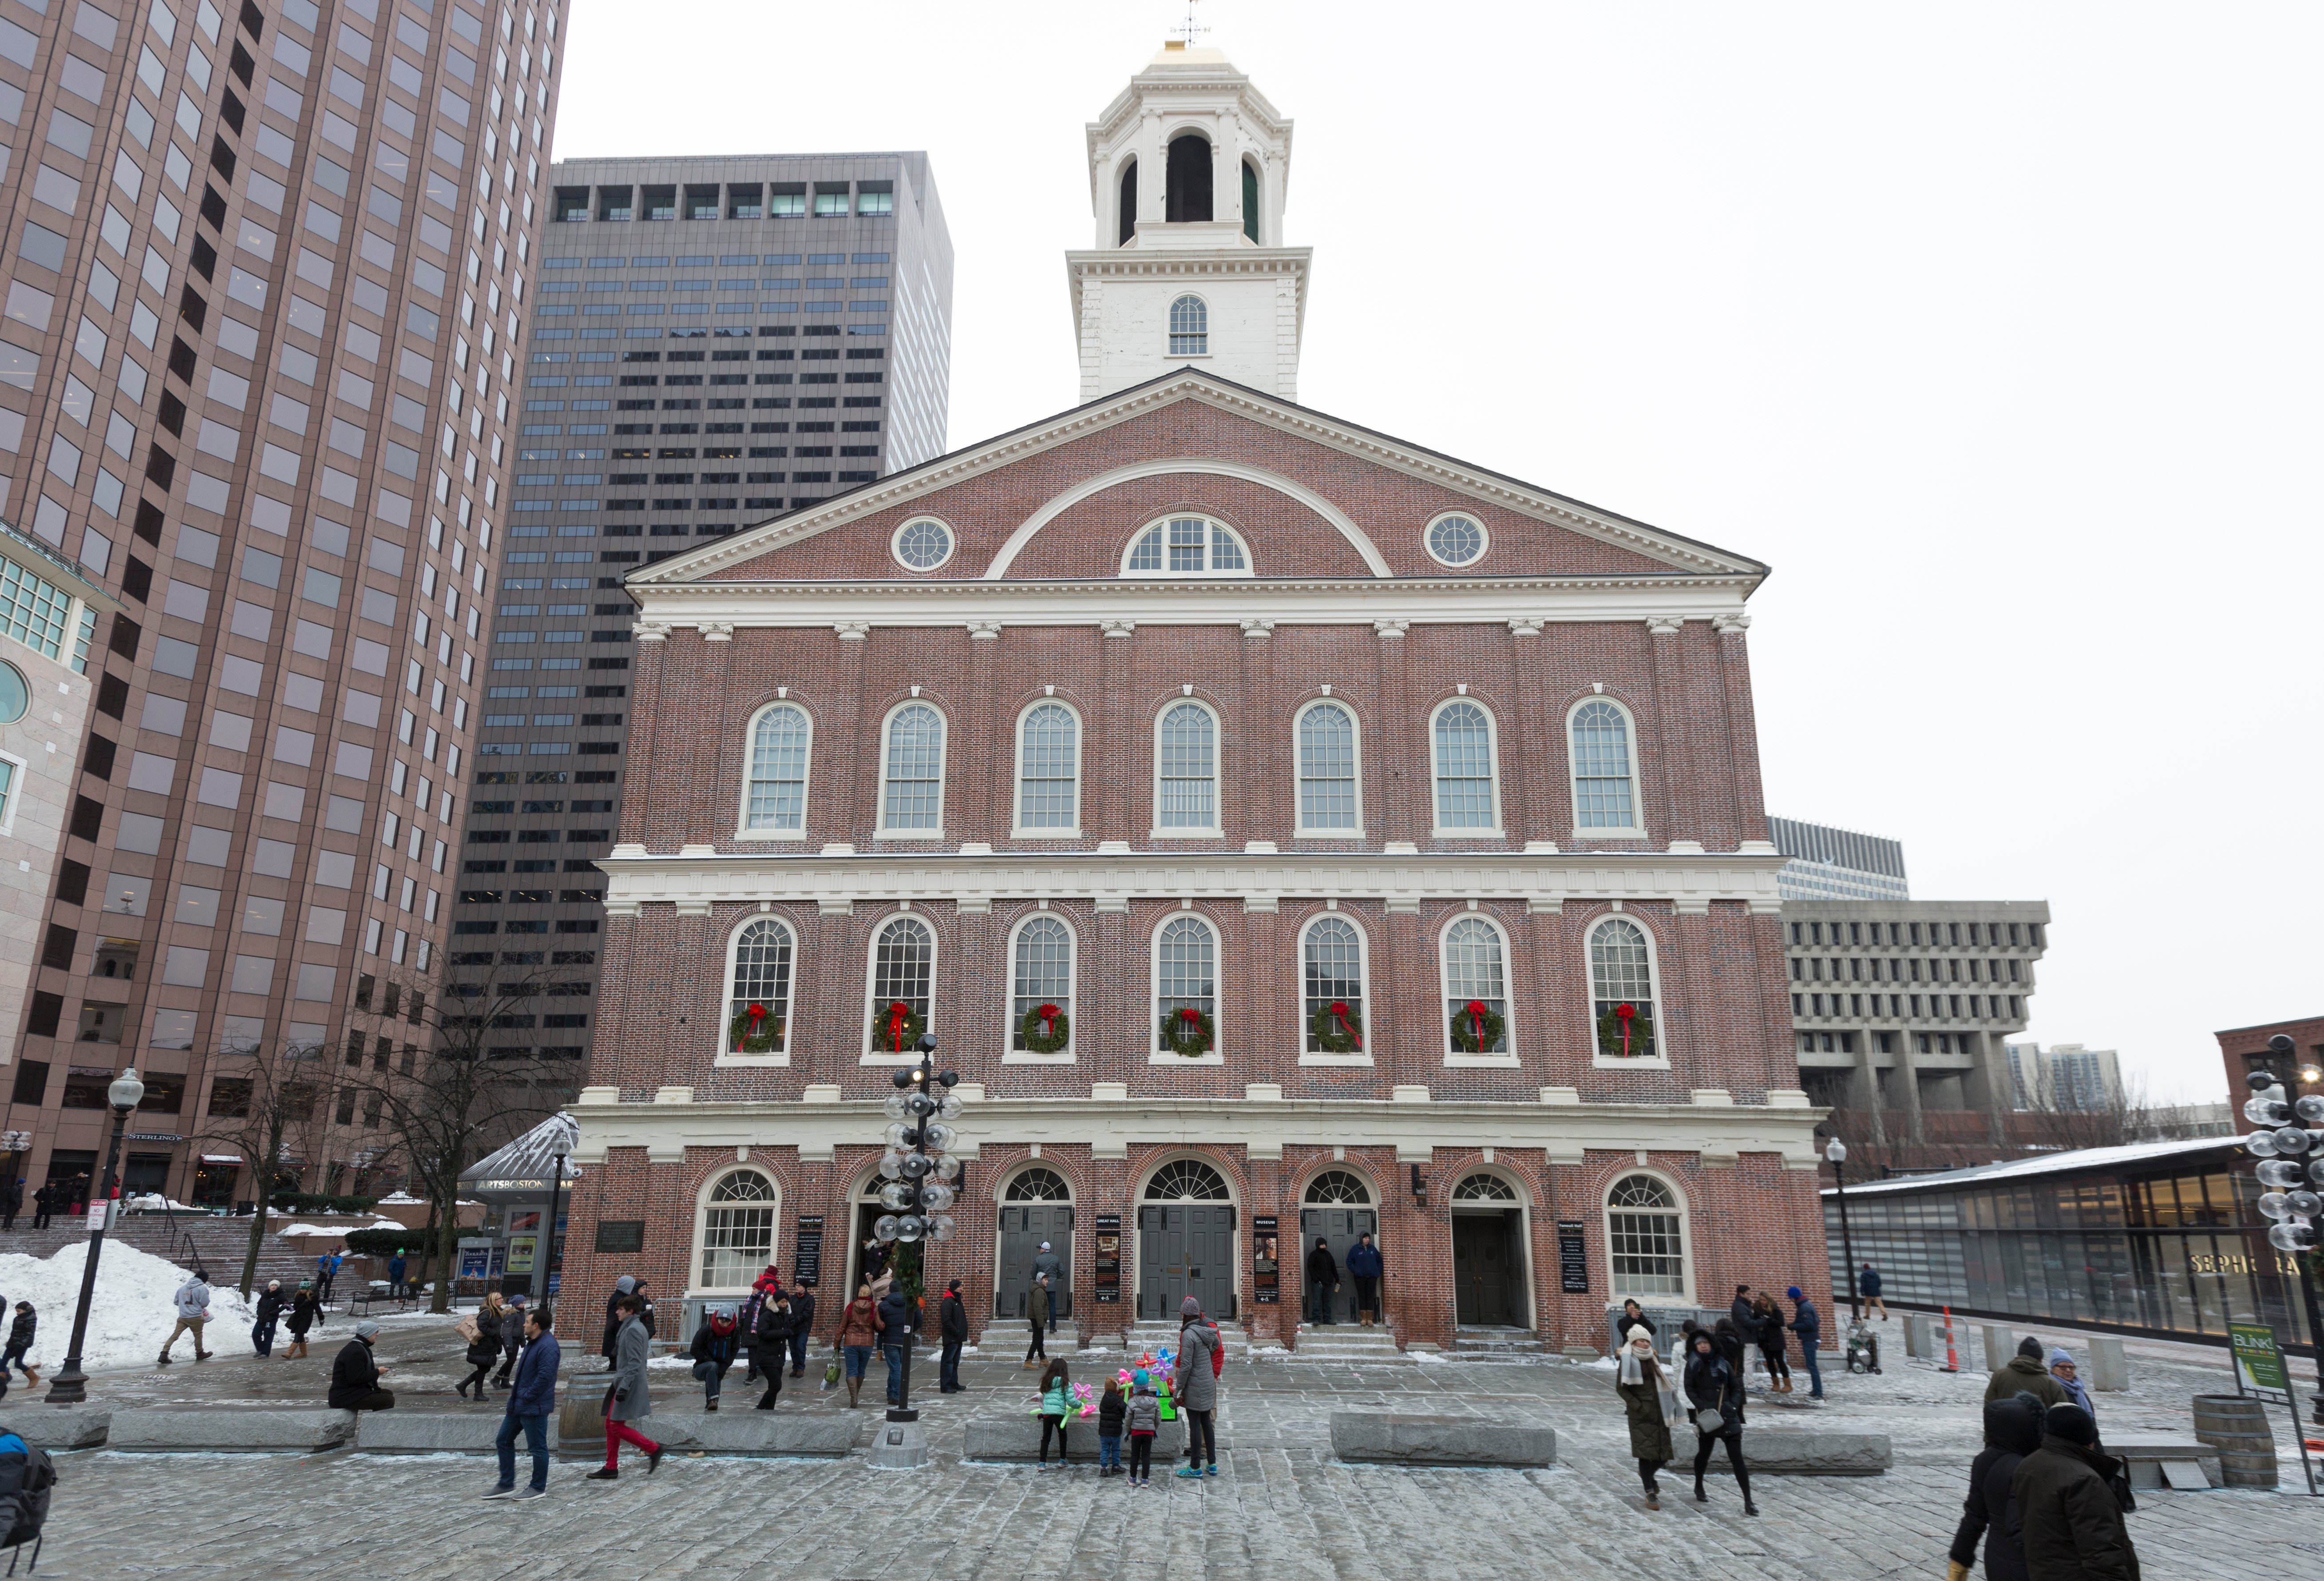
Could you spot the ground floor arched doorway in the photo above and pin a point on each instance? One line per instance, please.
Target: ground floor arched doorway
(1338, 1206)
(1489, 1284)
(1035, 1206)
(1186, 1241)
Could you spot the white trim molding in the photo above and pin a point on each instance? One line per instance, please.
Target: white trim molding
(1059, 505)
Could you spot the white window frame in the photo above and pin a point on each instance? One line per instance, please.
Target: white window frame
(1484, 535)
(1452, 1055)
(742, 829)
(1498, 828)
(1018, 829)
(1364, 967)
(1164, 574)
(873, 1054)
(727, 1054)
(1217, 751)
(1169, 332)
(1071, 1053)
(1300, 829)
(1660, 1060)
(1218, 1054)
(15, 795)
(1637, 828)
(944, 769)
(1616, 1294)
(896, 545)
(697, 1266)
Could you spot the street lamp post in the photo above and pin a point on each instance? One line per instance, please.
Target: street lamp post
(70, 1385)
(2291, 1175)
(918, 1168)
(1837, 1151)
(540, 1291)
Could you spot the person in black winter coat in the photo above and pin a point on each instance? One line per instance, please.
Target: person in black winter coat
(2013, 1430)
(513, 1341)
(2066, 1518)
(1323, 1278)
(355, 1375)
(485, 1349)
(952, 1323)
(1744, 1315)
(1732, 1341)
(717, 1341)
(12, 1203)
(802, 1325)
(622, 1286)
(777, 1322)
(19, 1343)
(899, 1317)
(1714, 1389)
(261, 1332)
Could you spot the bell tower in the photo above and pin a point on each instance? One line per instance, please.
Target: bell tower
(1189, 168)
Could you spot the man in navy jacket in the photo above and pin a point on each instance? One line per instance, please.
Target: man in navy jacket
(529, 1401)
(1364, 1268)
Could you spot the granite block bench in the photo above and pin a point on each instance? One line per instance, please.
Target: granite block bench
(1791, 1452)
(1385, 1439)
(231, 1429)
(1018, 1437)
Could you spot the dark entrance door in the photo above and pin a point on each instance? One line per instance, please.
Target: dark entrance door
(1022, 1231)
(1186, 1249)
(1339, 1226)
(1484, 1278)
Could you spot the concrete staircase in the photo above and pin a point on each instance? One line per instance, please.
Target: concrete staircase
(220, 1244)
(1346, 1342)
(1148, 1337)
(1498, 1342)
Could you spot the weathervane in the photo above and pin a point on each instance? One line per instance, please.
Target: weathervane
(1189, 27)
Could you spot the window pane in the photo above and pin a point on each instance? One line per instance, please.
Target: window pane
(915, 769)
(1045, 973)
(1647, 1255)
(1472, 973)
(1187, 536)
(1602, 768)
(1464, 768)
(1147, 556)
(779, 771)
(1327, 768)
(762, 976)
(1226, 554)
(1334, 973)
(1185, 979)
(1186, 796)
(1619, 974)
(900, 972)
(738, 1240)
(1049, 768)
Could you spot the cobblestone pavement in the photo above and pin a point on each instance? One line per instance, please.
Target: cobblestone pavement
(1284, 1508)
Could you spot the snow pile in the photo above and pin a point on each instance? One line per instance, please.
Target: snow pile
(402, 1196)
(131, 1313)
(341, 1231)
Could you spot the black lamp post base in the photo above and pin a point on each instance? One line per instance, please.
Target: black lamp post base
(68, 1388)
(900, 1444)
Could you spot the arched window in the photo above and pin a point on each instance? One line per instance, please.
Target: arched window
(1036, 1184)
(775, 801)
(1186, 546)
(1464, 768)
(1048, 769)
(1328, 799)
(761, 978)
(1186, 771)
(1190, 327)
(1187, 1180)
(903, 968)
(1622, 976)
(1645, 1248)
(1604, 796)
(1128, 204)
(1474, 973)
(1250, 203)
(1185, 977)
(1334, 1186)
(1044, 975)
(1332, 960)
(1484, 1189)
(1187, 198)
(737, 1236)
(912, 772)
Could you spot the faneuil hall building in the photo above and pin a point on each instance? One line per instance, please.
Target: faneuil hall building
(1283, 830)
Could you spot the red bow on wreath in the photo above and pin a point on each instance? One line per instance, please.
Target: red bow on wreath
(1476, 1009)
(757, 1013)
(896, 1014)
(1048, 1014)
(1190, 1015)
(1623, 1015)
(1340, 1017)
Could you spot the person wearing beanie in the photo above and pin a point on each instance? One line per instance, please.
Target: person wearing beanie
(2069, 1523)
(952, 1328)
(622, 1287)
(1807, 1323)
(1196, 1387)
(2061, 1368)
(355, 1375)
(2025, 1371)
(1651, 1404)
(2013, 1430)
(1143, 1417)
(1050, 1269)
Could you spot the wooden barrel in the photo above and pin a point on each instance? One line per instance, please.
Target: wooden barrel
(2236, 1426)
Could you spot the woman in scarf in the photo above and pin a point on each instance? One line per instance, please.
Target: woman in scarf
(1650, 1399)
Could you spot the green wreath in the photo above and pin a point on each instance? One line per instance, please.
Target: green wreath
(747, 1034)
(1338, 1028)
(885, 1042)
(1186, 1046)
(1464, 1024)
(1036, 1042)
(1642, 1032)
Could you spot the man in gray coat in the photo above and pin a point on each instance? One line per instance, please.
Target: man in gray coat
(628, 1401)
(1197, 1386)
(1051, 1268)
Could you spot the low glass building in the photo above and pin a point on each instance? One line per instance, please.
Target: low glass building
(2161, 1238)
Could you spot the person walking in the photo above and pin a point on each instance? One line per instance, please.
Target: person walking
(623, 1288)
(1807, 1323)
(530, 1404)
(859, 1331)
(1195, 1386)
(515, 1334)
(746, 1321)
(261, 1332)
(774, 1331)
(1111, 1407)
(1868, 1285)
(717, 1339)
(1322, 1272)
(20, 1341)
(193, 1304)
(1743, 1320)
(1715, 1391)
(395, 1267)
(628, 1399)
(1051, 1269)
(1143, 1417)
(43, 1203)
(952, 1324)
(1036, 1308)
(2013, 1430)
(2069, 1526)
(2025, 1371)
(355, 1374)
(303, 1310)
(1057, 1406)
(12, 1202)
(1650, 1400)
(1635, 1317)
(1770, 1320)
(328, 1265)
(645, 1308)
(899, 1320)
(1364, 1268)
(2061, 1368)
(484, 1347)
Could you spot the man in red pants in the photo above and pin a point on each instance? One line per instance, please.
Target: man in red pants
(628, 1402)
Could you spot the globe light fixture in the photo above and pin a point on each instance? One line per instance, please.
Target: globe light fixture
(918, 1168)
(70, 1385)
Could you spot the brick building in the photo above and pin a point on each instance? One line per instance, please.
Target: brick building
(2244, 1049)
(1191, 700)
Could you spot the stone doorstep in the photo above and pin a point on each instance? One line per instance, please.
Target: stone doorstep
(75, 1427)
(230, 1429)
(1019, 1438)
(1811, 1453)
(1383, 1438)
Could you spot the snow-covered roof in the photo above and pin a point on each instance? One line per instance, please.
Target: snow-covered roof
(2080, 1159)
(525, 1162)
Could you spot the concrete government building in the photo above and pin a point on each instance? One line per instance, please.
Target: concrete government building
(1283, 829)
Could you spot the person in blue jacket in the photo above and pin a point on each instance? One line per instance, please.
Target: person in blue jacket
(529, 1405)
(1807, 1323)
(1364, 1268)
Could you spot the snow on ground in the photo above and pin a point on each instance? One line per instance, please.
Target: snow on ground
(130, 1314)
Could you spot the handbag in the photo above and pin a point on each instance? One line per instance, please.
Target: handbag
(830, 1370)
(466, 1329)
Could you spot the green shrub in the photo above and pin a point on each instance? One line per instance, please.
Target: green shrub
(383, 1242)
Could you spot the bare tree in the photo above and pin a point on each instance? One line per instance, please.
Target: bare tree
(2065, 1117)
(269, 1111)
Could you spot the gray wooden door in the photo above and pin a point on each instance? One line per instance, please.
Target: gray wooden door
(1186, 1249)
(1339, 1226)
(1484, 1284)
(1022, 1231)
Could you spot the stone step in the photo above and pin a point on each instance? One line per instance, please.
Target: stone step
(1513, 1342)
(1346, 1342)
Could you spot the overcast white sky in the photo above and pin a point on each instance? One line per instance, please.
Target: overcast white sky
(1992, 329)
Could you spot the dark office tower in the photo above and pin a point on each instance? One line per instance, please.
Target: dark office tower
(716, 341)
(268, 272)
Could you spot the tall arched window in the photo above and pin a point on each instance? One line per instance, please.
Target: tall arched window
(1044, 973)
(1465, 767)
(903, 969)
(1332, 972)
(762, 978)
(1187, 198)
(1622, 978)
(1604, 795)
(1250, 203)
(1645, 1243)
(1474, 973)
(775, 801)
(912, 772)
(1048, 769)
(737, 1232)
(1185, 977)
(1128, 204)
(1190, 327)
(1328, 799)
(1186, 771)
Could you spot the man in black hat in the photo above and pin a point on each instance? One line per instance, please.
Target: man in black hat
(952, 1319)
